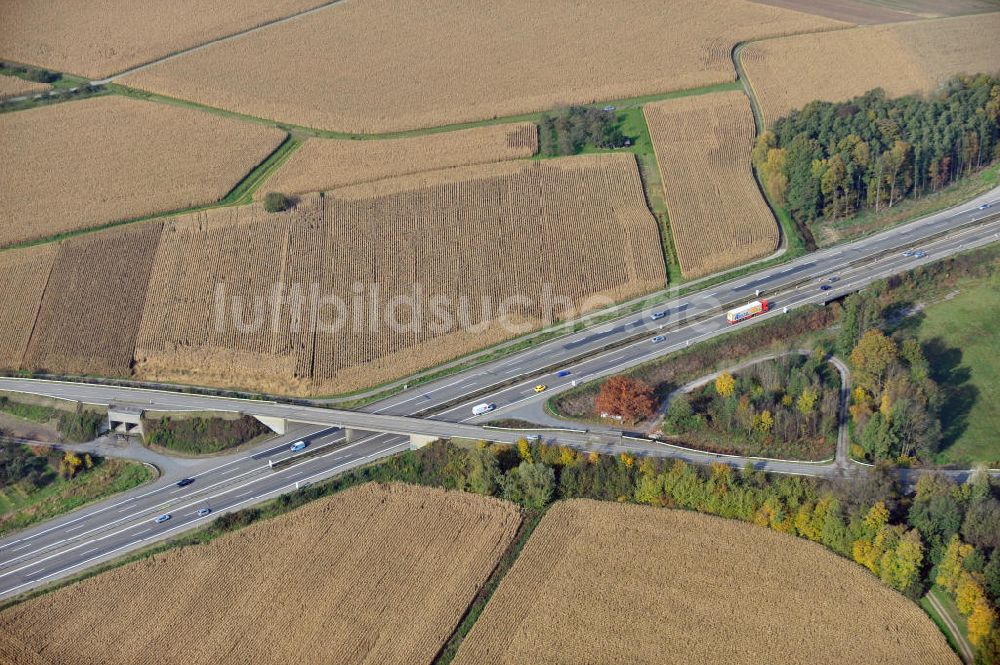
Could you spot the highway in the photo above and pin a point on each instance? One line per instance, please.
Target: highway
(88, 536)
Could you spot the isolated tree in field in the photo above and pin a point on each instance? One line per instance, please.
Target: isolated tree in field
(276, 202)
(630, 399)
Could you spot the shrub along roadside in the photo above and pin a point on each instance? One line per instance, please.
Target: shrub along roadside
(202, 435)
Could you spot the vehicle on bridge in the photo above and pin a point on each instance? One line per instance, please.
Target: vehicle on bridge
(747, 311)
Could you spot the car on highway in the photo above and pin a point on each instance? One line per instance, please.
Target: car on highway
(984, 206)
(480, 409)
(563, 372)
(656, 316)
(919, 255)
(297, 446)
(162, 518)
(825, 287)
(184, 482)
(540, 388)
(833, 278)
(658, 339)
(909, 253)
(204, 511)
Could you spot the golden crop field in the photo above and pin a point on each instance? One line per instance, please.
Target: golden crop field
(23, 274)
(579, 225)
(323, 164)
(717, 214)
(11, 86)
(89, 316)
(97, 39)
(248, 252)
(379, 66)
(602, 582)
(86, 163)
(905, 58)
(375, 574)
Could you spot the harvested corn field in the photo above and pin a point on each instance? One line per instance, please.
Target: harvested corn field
(323, 164)
(12, 86)
(375, 574)
(23, 274)
(86, 163)
(248, 254)
(447, 61)
(717, 215)
(680, 587)
(487, 251)
(903, 59)
(89, 315)
(97, 39)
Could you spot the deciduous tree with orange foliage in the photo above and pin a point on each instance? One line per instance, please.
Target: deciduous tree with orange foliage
(629, 399)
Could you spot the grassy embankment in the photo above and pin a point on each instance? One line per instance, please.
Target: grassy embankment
(960, 338)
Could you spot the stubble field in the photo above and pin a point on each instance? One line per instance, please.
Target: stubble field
(379, 66)
(681, 587)
(459, 241)
(903, 59)
(87, 320)
(91, 162)
(12, 86)
(375, 574)
(103, 38)
(717, 215)
(323, 164)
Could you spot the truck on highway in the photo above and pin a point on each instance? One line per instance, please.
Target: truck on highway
(747, 311)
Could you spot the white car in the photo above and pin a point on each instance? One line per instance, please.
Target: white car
(297, 446)
(984, 206)
(204, 511)
(162, 518)
(480, 409)
(658, 339)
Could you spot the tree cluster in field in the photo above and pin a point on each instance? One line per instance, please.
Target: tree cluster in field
(790, 399)
(568, 131)
(831, 160)
(671, 372)
(20, 465)
(202, 435)
(36, 74)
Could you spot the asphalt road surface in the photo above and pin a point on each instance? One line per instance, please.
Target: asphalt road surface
(86, 537)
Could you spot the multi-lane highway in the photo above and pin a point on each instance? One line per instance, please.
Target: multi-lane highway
(73, 542)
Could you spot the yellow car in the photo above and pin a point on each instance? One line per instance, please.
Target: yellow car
(540, 387)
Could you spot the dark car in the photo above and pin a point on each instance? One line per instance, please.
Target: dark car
(825, 287)
(185, 482)
(563, 372)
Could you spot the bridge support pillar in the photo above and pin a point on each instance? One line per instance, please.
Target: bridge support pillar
(420, 440)
(349, 435)
(275, 424)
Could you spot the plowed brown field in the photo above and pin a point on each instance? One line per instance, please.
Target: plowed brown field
(86, 163)
(903, 59)
(89, 316)
(376, 574)
(11, 86)
(609, 583)
(459, 241)
(717, 215)
(98, 39)
(379, 66)
(323, 164)
(23, 274)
